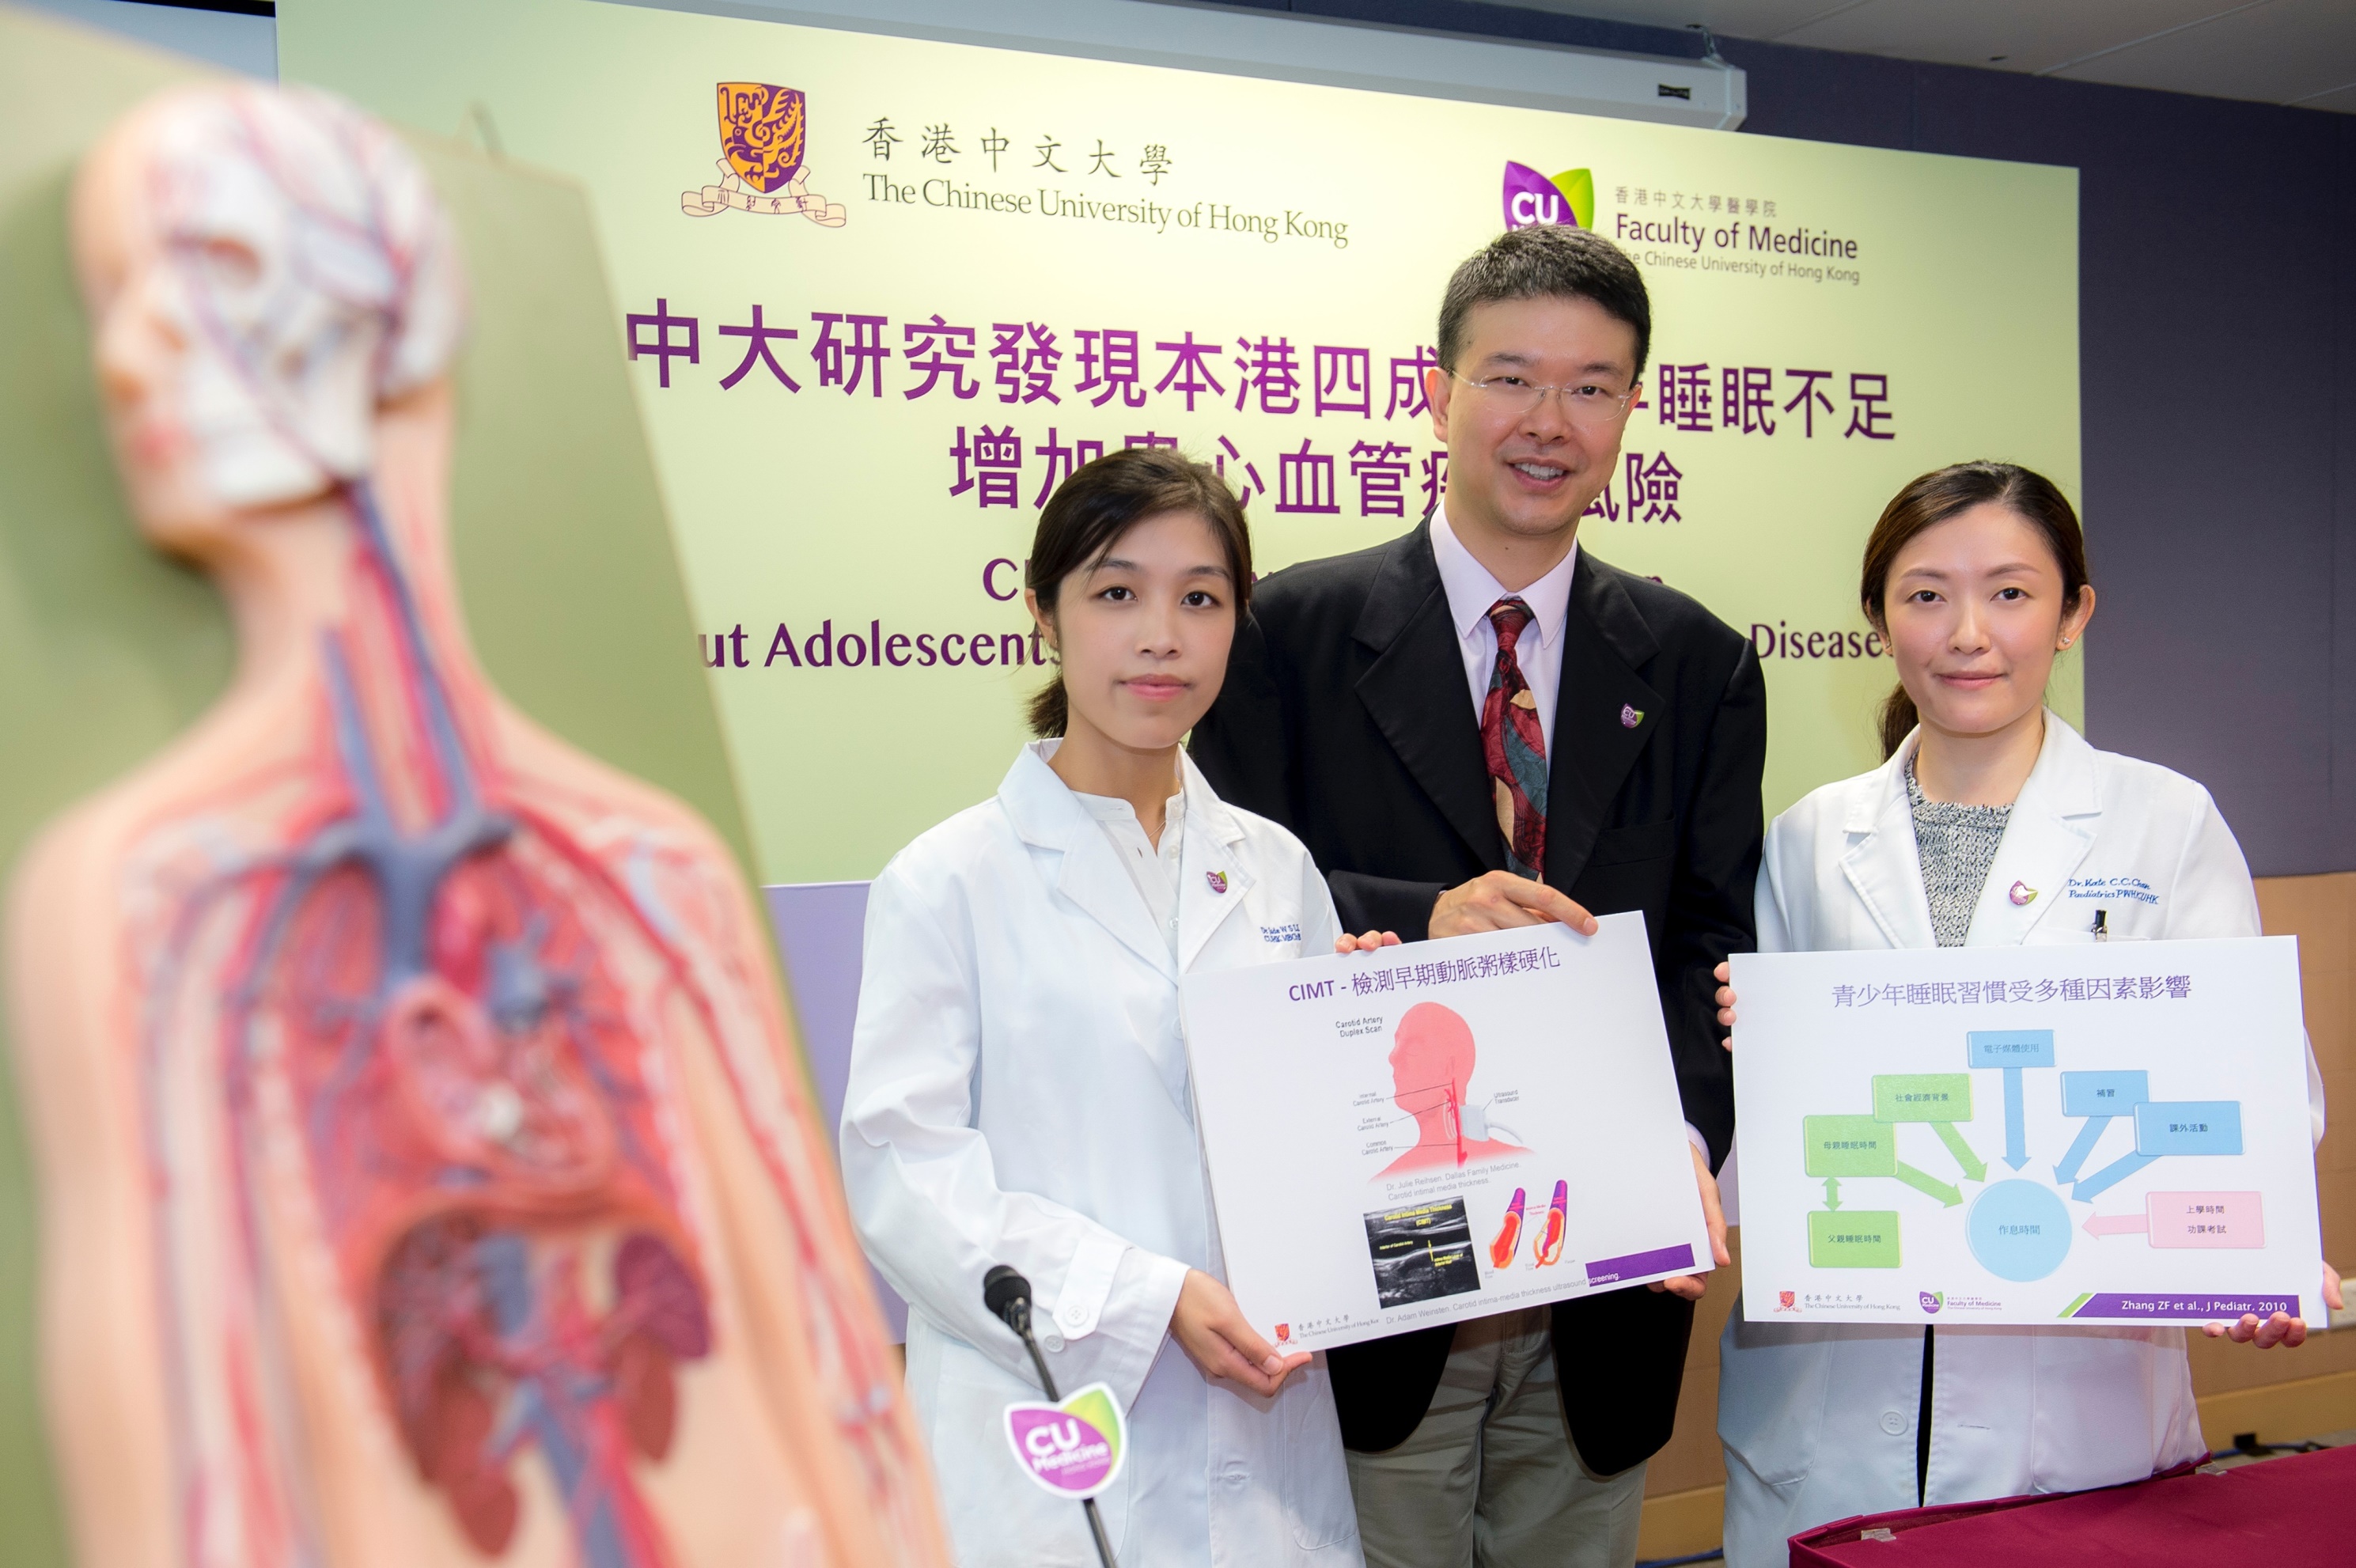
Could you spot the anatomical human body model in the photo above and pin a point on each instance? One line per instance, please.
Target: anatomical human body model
(428, 1177)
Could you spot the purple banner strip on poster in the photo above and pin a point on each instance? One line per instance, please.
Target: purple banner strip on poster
(1638, 1265)
(2185, 1308)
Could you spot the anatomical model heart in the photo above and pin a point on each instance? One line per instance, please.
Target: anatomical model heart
(427, 1174)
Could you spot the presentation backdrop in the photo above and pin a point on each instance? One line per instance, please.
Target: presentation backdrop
(883, 293)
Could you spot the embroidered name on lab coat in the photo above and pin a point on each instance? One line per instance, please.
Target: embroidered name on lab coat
(2134, 888)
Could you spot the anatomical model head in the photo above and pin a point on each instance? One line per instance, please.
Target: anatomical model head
(263, 267)
(1432, 1059)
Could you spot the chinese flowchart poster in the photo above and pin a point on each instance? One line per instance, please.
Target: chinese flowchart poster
(2096, 1132)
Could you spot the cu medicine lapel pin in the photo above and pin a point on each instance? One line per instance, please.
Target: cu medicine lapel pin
(2023, 893)
(1217, 879)
(1631, 715)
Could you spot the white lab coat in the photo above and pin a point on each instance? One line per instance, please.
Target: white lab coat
(1019, 1094)
(1818, 1420)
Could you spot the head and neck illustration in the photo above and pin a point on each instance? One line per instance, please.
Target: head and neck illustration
(1432, 1058)
(470, 1206)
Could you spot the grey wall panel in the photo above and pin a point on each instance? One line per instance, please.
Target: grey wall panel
(2339, 852)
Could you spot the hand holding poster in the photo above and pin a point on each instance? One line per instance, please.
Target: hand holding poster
(2104, 1132)
(1427, 1133)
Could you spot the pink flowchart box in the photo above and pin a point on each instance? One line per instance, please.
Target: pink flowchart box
(2206, 1219)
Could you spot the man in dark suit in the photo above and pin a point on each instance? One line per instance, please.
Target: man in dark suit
(1478, 725)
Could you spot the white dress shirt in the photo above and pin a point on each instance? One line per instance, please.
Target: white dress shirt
(1472, 591)
(1154, 870)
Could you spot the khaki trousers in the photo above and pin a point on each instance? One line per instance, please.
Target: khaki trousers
(1490, 1478)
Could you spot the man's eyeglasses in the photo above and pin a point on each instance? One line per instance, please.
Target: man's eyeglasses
(1583, 403)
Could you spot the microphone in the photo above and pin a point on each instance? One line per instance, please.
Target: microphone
(1007, 1295)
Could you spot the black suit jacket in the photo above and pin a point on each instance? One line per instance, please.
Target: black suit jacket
(1346, 717)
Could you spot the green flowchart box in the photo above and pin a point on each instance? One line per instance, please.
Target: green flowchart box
(1922, 1097)
(1850, 1146)
(1853, 1239)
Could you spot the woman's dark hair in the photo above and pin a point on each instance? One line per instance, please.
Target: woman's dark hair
(1546, 261)
(1933, 499)
(1089, 513)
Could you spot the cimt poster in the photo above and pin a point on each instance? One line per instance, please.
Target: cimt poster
(883, 292)
(1448, 1130)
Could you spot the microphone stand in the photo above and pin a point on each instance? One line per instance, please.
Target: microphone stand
(1007, 1293)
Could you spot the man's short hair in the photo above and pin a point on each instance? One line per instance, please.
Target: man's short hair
(1546, 261)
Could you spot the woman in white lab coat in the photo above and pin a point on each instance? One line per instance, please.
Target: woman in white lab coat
(1019, 1090)
(1992, 822)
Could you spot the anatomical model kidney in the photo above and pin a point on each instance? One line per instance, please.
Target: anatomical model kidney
(427, 1173)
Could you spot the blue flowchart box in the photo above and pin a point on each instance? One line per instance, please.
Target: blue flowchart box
(2010, 1048)
(2189, 1127)
(2103, 1093)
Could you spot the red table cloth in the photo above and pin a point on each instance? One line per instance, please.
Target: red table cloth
(2291, 1512)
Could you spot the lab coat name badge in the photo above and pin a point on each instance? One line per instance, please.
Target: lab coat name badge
(1073, 1449)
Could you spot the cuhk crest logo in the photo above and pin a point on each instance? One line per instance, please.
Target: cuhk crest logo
(1569, 198)
(764, 131)
(1784, 1302)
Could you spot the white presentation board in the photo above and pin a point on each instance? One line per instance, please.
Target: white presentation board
(1441, 1130)
(2098, 1132)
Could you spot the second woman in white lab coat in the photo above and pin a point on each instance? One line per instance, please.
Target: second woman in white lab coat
(1019, 1089)
(1992, 823)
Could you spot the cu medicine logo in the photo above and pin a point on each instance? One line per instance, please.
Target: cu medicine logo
(1531, 198)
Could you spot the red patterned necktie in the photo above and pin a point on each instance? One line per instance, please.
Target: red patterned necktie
(1513, 746)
